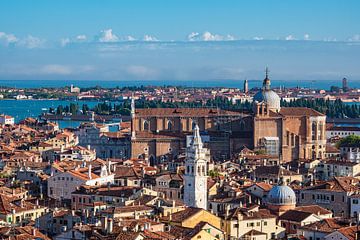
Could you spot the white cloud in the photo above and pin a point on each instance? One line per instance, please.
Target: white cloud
(32, 42)
(306, 37)
(355, 38)
(107, 35)
(149, 38)
(230, 37)
(130, 38)
(258, 38)
(290, 38)
(7, 39)
(193, 36)
(208, 36)
(330, 39)
(64, 41)
(81, 37)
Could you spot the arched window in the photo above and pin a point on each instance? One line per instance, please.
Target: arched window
(198, 170)
(188, 169)
(313, 131)
(169, 126)
(242, 125)
(320, 130)
(146, 125)
(192, 169)
(203, 170)
(313, 155)
(193, 124)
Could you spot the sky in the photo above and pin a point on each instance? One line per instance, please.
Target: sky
(179, 39)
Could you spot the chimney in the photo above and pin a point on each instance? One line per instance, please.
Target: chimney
(109, 167)
(227, 210)
(89, 171)
(104, 223)
(136, 215)
(110, 226)
(173, 203)
(33, 231)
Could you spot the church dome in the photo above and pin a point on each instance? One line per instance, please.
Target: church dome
(281, 195)
(267, 96)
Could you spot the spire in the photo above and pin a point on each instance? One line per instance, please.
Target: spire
(132, 117)
(267, 72)
(266, 83)
(132, 105)
(196, 142)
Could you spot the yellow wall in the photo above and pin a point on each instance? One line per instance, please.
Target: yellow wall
(202, 216)
(203, 235)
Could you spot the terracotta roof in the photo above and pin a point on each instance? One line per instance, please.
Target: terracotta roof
(349, 232)
(183, 215)
(315, 209)
(127, 236)
(21, 233)
(299, 111)
(327, 225)
(343, 128)
(125, 172)
(265, 186)
(274, 170)
(184, 112)
(337, 184)
(254, 233)
(247, 215)
(331, 149)
(295, 216)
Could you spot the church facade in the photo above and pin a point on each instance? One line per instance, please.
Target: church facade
(286, 133)
(290, 132)
(161, 133)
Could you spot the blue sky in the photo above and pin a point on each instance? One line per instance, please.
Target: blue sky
(179, 39)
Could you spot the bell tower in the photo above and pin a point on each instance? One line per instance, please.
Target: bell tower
(195, 178)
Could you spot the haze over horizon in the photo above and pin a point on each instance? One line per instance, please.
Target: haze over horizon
(156, 40)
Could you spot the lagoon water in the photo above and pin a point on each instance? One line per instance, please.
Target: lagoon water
(21, 109)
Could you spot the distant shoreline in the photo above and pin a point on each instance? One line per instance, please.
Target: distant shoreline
(315, 84)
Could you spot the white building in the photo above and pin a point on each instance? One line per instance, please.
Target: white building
(63, 182)
(74, 89)
(350, 153)
(6, 119)
(342, 131)
(335, 168)
(195, 178)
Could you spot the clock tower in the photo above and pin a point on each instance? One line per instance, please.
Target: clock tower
(195, 178)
